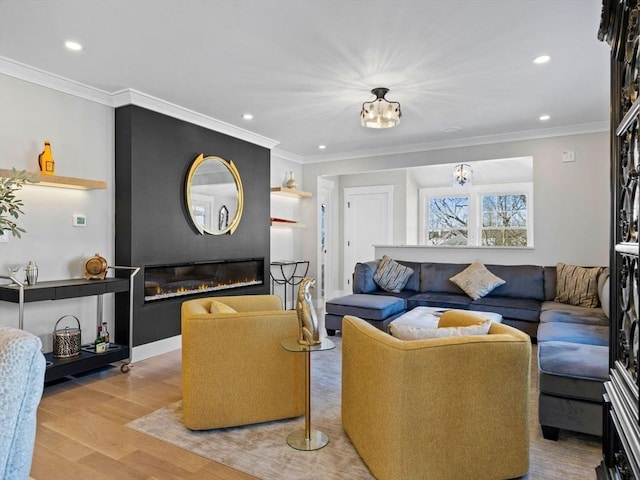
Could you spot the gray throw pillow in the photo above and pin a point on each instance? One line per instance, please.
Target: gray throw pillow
(391, 276)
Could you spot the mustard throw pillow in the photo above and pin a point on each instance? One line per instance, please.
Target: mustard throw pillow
(577, 285)
(219, 307)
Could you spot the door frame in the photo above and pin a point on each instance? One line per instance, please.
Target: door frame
(326, 191)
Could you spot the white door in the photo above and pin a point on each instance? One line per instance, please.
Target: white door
(326, 250)
(368, 221)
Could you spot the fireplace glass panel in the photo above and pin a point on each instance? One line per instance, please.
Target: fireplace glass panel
(168, 281)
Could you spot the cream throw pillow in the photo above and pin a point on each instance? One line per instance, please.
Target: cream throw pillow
(476, 280)
(409, 332)
(219, 307)
(391, 276)
(577, 285)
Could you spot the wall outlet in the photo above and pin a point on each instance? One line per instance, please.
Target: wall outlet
(569, 156)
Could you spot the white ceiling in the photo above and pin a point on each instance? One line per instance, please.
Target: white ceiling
(304, 67)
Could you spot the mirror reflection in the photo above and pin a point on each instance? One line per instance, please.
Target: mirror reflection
(214, 195)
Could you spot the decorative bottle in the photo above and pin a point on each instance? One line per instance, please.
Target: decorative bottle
(291, 181)
(31, 271)
(45, 160)
(99, 341)
(104, 334)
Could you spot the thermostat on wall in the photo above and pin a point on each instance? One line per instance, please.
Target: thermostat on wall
(79, 221)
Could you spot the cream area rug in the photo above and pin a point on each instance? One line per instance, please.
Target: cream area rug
(262, 449)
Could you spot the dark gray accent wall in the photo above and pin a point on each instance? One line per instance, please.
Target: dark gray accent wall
(152, 225)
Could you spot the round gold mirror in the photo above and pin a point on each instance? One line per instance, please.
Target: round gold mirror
(214, 195)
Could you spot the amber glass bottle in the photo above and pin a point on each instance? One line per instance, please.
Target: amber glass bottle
(45, 160)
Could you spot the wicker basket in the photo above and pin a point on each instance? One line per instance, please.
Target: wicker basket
(67, 341)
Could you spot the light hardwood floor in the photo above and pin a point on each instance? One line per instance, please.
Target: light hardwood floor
(82, 434)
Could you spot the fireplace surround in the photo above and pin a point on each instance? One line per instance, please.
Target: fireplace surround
(153, 226)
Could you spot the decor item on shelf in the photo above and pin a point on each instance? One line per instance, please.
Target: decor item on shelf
(31, 273)
(291, 181)
(307, 319)
(10, 206)
(462, 175)
(45, 160)
(14, 268)
(380, 113)
(95, 268)
(67, 341)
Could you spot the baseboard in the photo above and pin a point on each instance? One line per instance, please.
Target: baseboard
(153, 349)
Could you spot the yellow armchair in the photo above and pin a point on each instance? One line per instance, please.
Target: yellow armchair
(446, 408)
(234, 370)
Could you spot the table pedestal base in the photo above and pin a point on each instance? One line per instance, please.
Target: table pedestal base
(316, 441)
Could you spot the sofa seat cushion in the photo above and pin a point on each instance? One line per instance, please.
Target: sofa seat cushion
(573, 370)
(437, 299)
(581, 315)
(371, 307)
(525, 309)
(573, 333)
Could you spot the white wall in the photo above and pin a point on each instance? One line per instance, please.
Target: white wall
(571, 200)
(81, 133)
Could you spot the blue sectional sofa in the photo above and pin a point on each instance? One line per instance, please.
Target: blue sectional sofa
(573, 341)
(519, 300)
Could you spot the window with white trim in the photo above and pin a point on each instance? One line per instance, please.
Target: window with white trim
(481, 215)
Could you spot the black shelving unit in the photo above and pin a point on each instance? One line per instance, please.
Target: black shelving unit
(74, 288)
(620, 28)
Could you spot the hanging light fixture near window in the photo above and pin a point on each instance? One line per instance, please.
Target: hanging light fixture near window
(462, 174)
(380, 113)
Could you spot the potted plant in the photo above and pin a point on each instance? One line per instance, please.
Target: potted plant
(10, 205)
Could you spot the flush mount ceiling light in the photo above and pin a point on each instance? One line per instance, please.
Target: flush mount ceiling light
(462, 174)
(380, 113)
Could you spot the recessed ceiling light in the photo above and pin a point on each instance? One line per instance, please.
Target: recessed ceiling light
(247, 116)
(450, 129)
(71, 45)
(322, 147)
(544, 118)
(542, 59)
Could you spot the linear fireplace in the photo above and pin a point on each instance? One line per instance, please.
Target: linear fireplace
(176, 280)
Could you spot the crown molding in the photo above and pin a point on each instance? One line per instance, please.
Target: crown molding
(141, 99)
(40, 77)
(37, 76)
(291, 157)
(578, 129)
